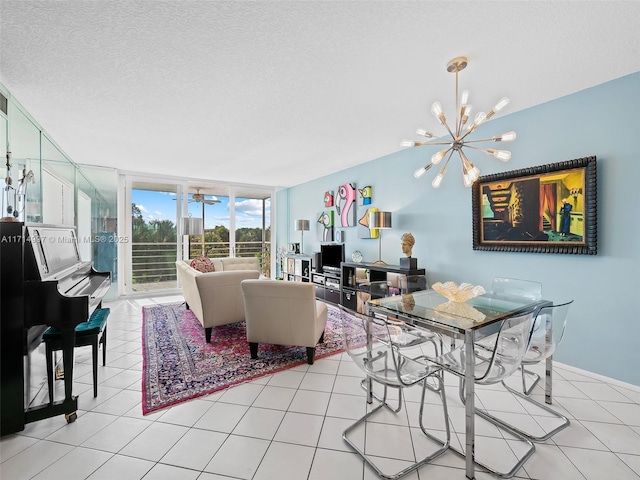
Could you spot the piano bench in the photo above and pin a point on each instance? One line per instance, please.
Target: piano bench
(92, 332)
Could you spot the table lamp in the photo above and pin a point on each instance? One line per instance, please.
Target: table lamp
(302, 226)
(379, 220)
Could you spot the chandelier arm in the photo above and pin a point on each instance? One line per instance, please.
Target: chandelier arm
(426, 144)
(479, 140)
(476, 148)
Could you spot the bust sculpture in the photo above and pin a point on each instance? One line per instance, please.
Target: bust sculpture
(408, 241)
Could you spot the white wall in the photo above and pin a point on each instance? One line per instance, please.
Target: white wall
(603, 335)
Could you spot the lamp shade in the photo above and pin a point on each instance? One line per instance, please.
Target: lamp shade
(302, 225)
(192, 226)
(379, 219)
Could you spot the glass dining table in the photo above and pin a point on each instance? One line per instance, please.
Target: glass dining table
(429, 310)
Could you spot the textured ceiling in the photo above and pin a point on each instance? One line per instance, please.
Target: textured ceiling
(277, 93)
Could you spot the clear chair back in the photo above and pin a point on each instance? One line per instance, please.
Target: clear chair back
(513, 287)
(547, 331)
(375, 346)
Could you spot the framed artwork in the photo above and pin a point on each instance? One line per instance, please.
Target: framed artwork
(544, 209)
(345, 203)
(363, 224)
(324, 226)
(328, 198)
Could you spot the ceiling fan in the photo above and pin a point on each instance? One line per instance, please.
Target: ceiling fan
(199, 198)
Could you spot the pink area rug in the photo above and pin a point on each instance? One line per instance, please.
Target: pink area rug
(178, 365)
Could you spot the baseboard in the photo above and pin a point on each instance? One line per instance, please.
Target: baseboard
(596, 376)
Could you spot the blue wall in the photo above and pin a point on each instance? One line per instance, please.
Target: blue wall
(603, 334)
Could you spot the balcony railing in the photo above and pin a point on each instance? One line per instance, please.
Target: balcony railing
(153, 264)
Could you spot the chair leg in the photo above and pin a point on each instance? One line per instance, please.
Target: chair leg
(207, 334)
(321, 338)
(509, 428)
(103, 340)
(541, 438)
(445, 445)
(311, 353)
(94, 359)
(253, 349)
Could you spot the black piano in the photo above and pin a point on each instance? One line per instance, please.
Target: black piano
(43, 283)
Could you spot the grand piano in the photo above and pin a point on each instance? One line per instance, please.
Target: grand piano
(43, 283)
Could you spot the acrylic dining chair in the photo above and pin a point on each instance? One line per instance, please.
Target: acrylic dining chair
(372, 343)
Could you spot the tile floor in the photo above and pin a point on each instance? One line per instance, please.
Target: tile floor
(288, 426)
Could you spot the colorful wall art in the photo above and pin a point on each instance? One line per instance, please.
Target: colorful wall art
(363, 224)
(328, 198)
(346, 205)
(365, 194)
(324, 226)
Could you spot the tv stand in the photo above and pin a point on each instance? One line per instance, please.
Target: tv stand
(327, 286)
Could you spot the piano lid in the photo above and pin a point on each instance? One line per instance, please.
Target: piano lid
(55, 248)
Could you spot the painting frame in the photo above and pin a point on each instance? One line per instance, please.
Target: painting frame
(506, 207)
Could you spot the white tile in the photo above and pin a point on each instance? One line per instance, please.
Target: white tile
(11, 445)
(195, 449)
(278, 398)
(122, 467)
(76, 465)
(633, 461)
(122, 380)
(577, 435)
(596, 465)
(244, 394)
(628, 413)
(618, 438)
(335, 464)
(33, 460)
(299, 428)
(186, 413)
(550, 462)
(238, 457)
(308, 401)
(331, 435)
(118, 404)
(390, 441)
(320, 382)
(259, 423)
(346, 406)
(287, 378)
(284, 460)
(170, 472)
(588, 410)
(601, 391)
(221, 417)
(347, 385)
(117, 434)
(155, 441)
(328, 365)
(86, 425)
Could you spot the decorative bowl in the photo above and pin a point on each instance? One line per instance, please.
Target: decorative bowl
(456, 293)
(356, 256)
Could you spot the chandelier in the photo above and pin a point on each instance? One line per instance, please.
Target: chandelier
(459, 141)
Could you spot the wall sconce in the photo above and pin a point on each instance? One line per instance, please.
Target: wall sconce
(302, 226)
(380, 220)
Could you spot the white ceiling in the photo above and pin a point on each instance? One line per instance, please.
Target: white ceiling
(278, 92)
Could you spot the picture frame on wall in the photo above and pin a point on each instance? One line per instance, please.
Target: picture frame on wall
(543, 209)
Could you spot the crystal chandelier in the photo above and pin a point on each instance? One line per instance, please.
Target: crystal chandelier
(459, 134)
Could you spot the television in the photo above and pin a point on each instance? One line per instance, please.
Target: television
(332, 256)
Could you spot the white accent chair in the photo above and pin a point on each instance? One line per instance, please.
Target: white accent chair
(283, 313)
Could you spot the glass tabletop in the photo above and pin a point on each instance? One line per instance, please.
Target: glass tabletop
(431, 308)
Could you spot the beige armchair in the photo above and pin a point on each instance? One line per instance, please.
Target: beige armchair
(283, 313)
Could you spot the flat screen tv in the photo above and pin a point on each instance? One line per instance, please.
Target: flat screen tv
(332, 256)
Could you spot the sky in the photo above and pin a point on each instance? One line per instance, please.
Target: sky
(162, 206)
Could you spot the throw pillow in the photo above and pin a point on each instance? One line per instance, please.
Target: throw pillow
(203, 264)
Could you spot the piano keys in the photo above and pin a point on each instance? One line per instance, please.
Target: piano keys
(43, 282)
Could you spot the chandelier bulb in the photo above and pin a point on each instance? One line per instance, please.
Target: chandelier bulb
(438, 156)
(422, 170)
(480, 117)
(505, 137)
(436, 110)
(464, 97)
(423, 132)
(501, 104)
(407, 143)
(437, 181)
(503, 155)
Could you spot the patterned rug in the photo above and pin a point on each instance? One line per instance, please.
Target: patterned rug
(178, 365)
